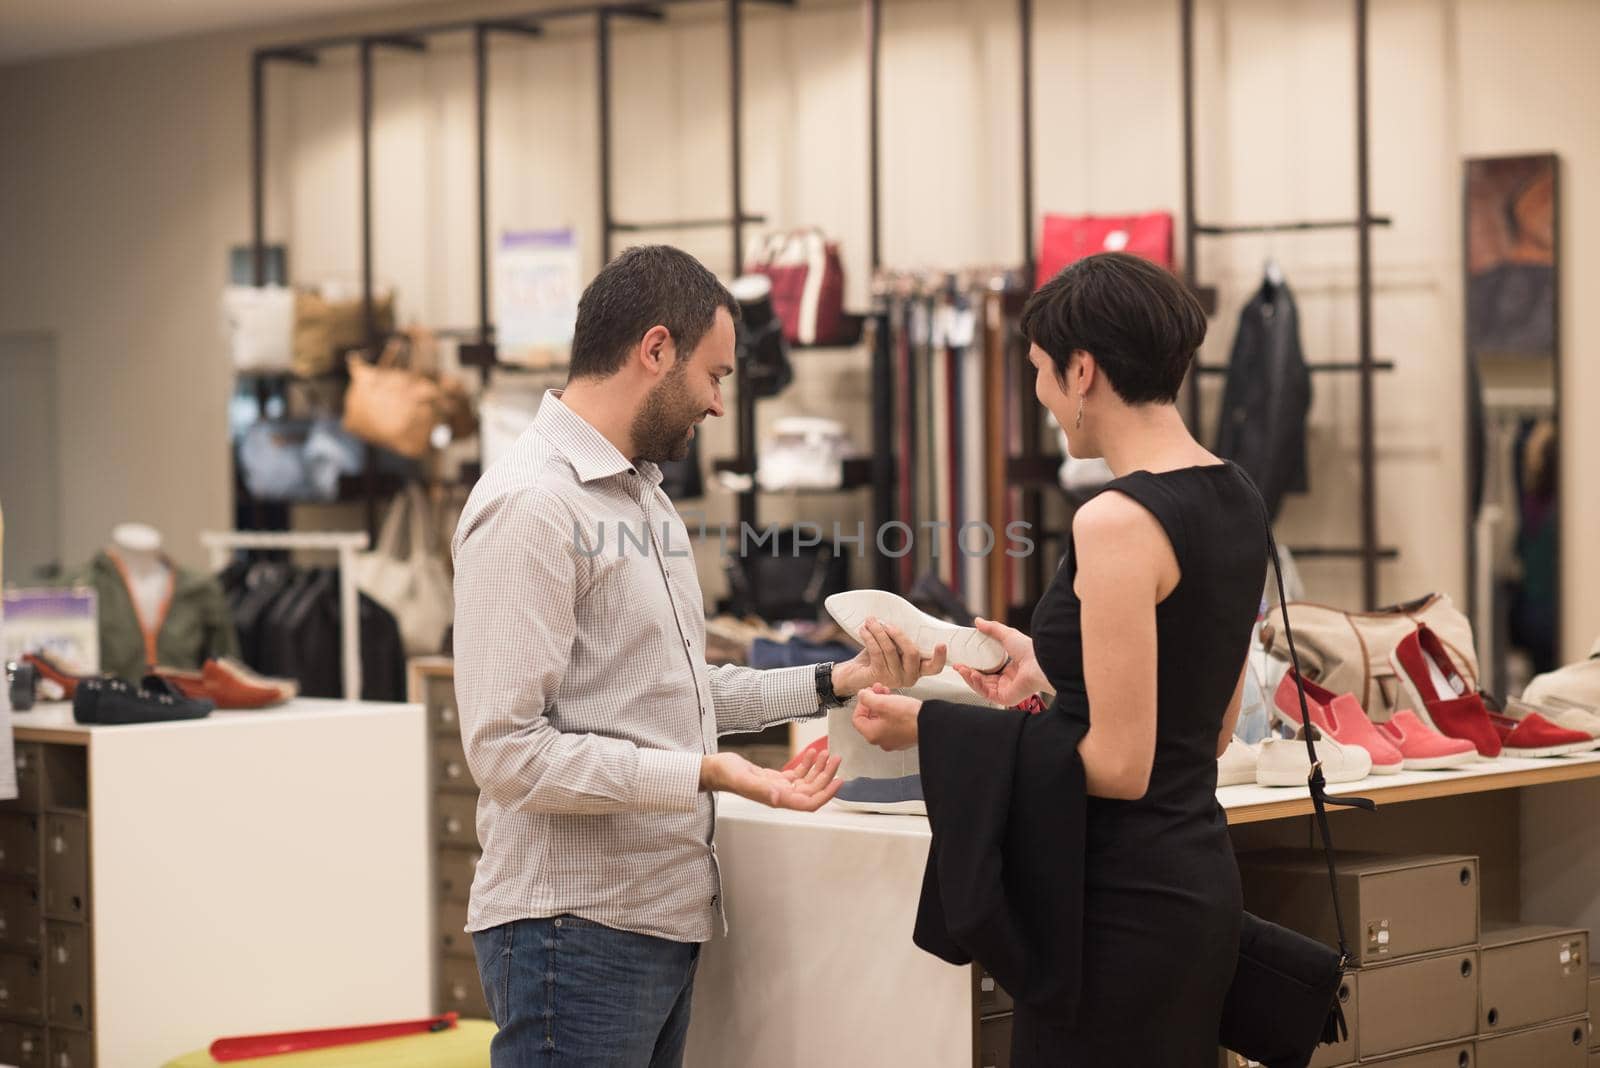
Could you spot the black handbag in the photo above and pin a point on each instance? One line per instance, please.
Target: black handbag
(786, 578)
(1283, 1001)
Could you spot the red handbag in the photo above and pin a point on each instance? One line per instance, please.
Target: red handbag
(807, 284)
(1069, 238)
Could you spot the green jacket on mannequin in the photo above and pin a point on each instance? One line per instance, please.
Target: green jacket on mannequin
(196, 624)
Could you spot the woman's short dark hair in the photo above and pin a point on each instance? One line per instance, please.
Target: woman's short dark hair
(645, 286)
(1140, 323)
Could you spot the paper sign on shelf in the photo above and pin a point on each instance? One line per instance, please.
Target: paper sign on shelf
(536, 287)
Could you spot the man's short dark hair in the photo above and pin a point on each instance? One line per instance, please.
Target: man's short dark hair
(1139, 322)
(645, 286)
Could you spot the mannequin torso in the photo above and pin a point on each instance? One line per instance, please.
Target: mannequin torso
(137, 548)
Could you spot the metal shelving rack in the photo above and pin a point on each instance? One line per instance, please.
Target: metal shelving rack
(1368, 549)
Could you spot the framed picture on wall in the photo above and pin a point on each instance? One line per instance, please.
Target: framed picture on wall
(1511, 257)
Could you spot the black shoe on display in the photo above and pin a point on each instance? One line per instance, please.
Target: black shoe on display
(109, 701)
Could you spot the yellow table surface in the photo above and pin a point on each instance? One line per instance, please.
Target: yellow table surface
(464, 1046)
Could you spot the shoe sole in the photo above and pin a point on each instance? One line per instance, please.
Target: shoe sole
(1238, 778)
(965, 645)
(1440, 763)
(1569, 749)
(891, 808)
(1377, 768)
(1282, 778)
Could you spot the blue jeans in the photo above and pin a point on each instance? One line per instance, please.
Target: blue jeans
(571, 993)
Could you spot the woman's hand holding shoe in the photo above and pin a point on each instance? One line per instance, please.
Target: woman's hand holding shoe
(1021, 676)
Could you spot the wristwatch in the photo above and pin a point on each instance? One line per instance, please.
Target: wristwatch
(825, 695)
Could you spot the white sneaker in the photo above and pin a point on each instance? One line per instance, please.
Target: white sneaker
(1284, 762)
(966, 645)
(1237, 765)
(947, 685)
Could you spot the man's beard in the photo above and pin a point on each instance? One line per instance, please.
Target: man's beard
(661, 429)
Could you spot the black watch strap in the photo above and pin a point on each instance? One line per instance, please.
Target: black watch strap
(825, 695)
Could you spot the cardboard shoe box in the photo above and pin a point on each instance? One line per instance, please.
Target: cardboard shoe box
(1554, 1045)
(1532, 974)
(1394, 906)
(1449, 1055)
(1413, 1004)
(1594, 1003)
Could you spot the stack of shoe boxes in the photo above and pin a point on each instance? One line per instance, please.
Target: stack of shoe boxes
(1433, 986)
(992, 1009)
(1534, 1005)
(1594, 1015)
(1412, 923)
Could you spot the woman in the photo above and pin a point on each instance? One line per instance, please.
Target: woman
(1141, 637)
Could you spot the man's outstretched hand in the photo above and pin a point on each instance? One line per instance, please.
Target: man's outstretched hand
(806, 787)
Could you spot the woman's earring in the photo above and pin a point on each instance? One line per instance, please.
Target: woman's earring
(1077, 424)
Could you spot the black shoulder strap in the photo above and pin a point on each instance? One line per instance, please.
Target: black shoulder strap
(1318, 785)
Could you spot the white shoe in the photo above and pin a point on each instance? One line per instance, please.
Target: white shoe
(947, 685)
(1237, 765)
(1284, 761)
(966, 645)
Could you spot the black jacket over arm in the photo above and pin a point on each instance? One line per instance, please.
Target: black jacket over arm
(1006, 797)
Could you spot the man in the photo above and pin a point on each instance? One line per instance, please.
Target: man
(589, 715)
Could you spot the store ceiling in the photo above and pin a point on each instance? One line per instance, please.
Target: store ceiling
(30, 29)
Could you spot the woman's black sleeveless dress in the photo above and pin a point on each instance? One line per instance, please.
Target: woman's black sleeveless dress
(1161, 887)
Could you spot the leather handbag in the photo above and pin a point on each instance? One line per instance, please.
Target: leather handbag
(807, 275)
(324, 329)
(1283, 1001)
(1069, 238)
(788, 581)
(1348, 652)
(391, 406)
(405, 573)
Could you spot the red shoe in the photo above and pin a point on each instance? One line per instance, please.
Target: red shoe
(1424, 748)
(1439, 695)
(49, 669)
(1535, 736)
(1341, 718)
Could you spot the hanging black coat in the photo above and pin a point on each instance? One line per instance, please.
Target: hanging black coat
(1267, 396)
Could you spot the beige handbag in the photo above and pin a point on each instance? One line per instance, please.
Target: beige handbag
(1348, 652)
(406, 573)
(323, 329)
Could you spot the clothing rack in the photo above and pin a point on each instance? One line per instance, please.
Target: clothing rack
(1367, 550)
(346, 545)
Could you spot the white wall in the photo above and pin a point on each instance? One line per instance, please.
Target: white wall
(123, 178)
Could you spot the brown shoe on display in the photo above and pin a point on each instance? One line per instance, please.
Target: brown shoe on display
(53, 672)
(231, 685)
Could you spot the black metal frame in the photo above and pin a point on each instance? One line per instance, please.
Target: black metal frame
(1368, 551)
(481, 351)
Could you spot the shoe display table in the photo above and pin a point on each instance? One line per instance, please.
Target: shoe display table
(821, 906)
(164, 884)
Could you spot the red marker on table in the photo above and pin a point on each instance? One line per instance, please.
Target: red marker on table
(245, 1047)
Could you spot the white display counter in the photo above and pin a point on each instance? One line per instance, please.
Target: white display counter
(247, 872)
(819, 965)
